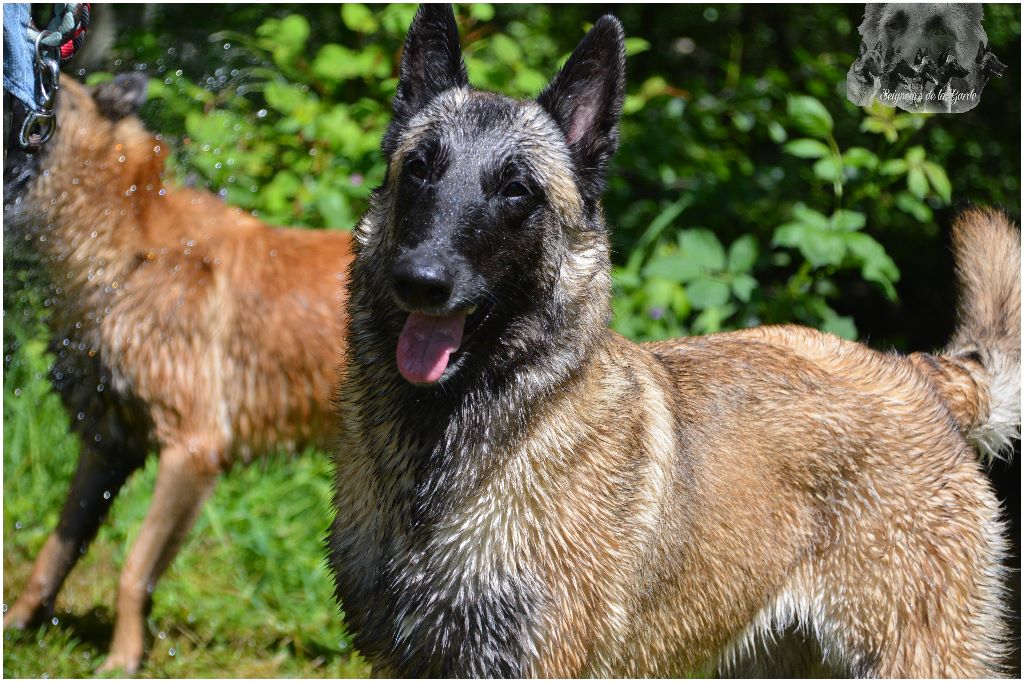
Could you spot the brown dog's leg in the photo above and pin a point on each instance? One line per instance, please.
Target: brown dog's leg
(97, 481)
(183, 484)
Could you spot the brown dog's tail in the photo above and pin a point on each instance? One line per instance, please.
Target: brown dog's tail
(987, 340)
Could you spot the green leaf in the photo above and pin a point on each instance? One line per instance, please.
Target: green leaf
(806, 148)
(917, 183)
(809, 115)
(939, 180)
(291, 33)
(823, 248)
(636, 45)
(908, 203)
(707, 293)
(743, 286)
(333, 63)
(893, 167)
(710, 320)
(841, 326)
(790, 234)
(481, 11)
(859, 157)
(703, 247)
(358, 18)
(810, 217)
(505, 49)
(283, 97)
(333, 207)
(847, 221)
(915, 155)
(876, 265)
(743, 254)
(675, 267)
(827, 169)
(776, 132)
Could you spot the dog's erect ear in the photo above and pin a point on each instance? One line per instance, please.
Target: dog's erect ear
(121, 97)
(868, 28)
(431, 63)
(585, 99)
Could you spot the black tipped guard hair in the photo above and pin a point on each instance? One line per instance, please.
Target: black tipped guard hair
(585, 99)
(431, 63)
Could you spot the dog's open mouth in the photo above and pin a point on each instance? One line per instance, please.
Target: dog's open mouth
(428, 342)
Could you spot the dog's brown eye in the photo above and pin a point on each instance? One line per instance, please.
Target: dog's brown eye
(417, 169)
(515, 190)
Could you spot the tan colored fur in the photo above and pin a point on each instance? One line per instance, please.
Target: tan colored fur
(220, 335)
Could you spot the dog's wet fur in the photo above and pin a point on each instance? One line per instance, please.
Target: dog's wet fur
(522, 492)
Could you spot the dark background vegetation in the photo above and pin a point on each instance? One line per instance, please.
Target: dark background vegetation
(746, 190)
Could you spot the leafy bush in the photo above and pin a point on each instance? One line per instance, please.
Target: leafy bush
(746, 190)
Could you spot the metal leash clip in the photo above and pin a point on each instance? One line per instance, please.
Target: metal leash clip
(38, 126)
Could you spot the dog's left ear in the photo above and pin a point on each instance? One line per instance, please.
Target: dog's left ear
(585, 99)
(431, 63)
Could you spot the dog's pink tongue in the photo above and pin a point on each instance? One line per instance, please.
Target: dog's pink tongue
(425, 344)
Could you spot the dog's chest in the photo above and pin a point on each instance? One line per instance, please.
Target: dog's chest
(447, 592)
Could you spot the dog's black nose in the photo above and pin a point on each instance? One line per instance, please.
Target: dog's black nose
(423, 282)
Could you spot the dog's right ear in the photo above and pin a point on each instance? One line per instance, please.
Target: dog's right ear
(121, 97)
(431, 63)
(868, 28)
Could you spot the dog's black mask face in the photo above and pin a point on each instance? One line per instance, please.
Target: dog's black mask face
(484, 188)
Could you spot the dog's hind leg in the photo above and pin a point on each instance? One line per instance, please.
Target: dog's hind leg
(917, 591)
(186, 478)
(97, 480)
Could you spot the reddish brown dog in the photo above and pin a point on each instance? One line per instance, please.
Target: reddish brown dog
(182, 325)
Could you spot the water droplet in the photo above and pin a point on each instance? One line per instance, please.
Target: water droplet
(55, 620)
(17, 392)
(120, 159)
(99, 388)
(162, 635)
(172, 651)
(227, 46)
(261, 113)
(17, 526)
(106, 496)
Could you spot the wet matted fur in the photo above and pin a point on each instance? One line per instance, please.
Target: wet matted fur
(179, 324)
(522, 492)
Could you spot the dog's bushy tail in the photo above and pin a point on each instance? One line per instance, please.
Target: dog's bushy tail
(987, 340)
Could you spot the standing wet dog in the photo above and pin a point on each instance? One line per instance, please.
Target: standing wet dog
(522, 492)
(180, 325)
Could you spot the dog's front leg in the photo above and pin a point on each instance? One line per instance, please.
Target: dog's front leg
(97, 481)
(185, 479)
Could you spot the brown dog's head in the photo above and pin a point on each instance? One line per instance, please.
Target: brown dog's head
(89, 119)
(928, 29)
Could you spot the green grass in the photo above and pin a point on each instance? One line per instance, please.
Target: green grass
(248, 596)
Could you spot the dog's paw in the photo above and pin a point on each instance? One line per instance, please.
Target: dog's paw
(126, 663)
